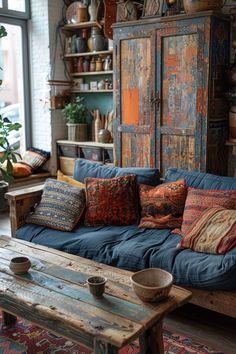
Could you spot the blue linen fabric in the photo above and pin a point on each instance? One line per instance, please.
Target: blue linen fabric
(85, 168)
(201, 180)
(133, 248)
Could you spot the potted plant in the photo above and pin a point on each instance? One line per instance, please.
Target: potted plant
(7, 153)
(75, 115)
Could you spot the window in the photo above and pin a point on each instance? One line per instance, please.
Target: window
(15, 96)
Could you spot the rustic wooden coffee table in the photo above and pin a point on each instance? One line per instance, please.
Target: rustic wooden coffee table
(54, 295)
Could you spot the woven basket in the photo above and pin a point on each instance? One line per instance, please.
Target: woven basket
(191, 6)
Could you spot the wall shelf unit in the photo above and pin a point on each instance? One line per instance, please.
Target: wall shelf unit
(92, 73)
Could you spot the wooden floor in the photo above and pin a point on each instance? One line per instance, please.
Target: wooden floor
(206, 326)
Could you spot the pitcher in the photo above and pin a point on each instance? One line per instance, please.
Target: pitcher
(107, 64)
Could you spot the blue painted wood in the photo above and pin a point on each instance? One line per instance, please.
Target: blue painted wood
(108, 303)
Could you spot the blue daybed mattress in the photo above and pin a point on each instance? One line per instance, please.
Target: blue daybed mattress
(133, 248)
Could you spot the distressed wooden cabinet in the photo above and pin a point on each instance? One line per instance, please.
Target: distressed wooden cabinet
(169, 92)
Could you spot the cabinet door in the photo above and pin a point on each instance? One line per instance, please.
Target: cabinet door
(135, 117)
(182, 79)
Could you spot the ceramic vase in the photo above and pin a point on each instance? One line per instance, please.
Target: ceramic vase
(96, 42)
(92, 10)
(191, 6)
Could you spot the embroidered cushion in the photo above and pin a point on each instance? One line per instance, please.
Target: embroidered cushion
(198, 200)
(63, 178)
(35, 158)
(61, 206)
(111, 201)
(162, 206)
(214, 232)
(21, 170)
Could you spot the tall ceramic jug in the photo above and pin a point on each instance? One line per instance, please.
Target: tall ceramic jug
(92, 10)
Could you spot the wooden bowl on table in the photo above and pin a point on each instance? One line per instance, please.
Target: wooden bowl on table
(20, 265)
(152, 284)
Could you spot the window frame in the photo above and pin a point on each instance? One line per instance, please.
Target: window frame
(4, 11)
(26, 73)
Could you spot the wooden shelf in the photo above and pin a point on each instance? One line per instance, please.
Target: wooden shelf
(85, 54)
(90, 91)
(90, 73)
(74, 26)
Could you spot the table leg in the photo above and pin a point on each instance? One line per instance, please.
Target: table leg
(151, 342)
(8, 319)
(101, 347)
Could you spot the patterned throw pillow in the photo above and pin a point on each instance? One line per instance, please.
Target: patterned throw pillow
(214, 232)
(61, 206)
(21, 170)
(63, 178)
(111, 201)
(162, 206)
(198, 200)
(35, 158)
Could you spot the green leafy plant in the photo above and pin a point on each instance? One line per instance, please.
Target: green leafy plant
(76, 112)
(8, 154)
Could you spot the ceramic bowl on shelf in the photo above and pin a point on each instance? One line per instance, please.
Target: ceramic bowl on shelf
(152, 284)
(20, 265)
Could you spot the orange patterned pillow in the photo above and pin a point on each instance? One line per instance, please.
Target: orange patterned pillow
(214, 232)
(162, 206)
(198, 200)
(111, 201)
(21, 170)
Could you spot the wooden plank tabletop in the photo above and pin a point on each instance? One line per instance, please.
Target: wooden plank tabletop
(54, 294)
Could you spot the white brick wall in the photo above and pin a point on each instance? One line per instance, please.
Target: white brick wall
(47, 125)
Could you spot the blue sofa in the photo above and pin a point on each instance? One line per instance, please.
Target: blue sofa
(134, 248)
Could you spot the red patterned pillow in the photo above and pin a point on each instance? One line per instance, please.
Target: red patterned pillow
(162, 206)
(111, 201)
(198, 200)
(214, 232)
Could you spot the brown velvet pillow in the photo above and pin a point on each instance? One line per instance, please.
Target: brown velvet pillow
(162, 206)
(111, 201)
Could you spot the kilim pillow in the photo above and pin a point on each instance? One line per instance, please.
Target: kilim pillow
(63, 178)
(214, 232)
(61, 206)
(198, 200)
(35, 158)
(111, 201)
(162, 206)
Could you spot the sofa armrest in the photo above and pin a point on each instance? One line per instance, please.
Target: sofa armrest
(21, 203)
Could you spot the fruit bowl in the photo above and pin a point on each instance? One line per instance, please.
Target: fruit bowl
(152, 284)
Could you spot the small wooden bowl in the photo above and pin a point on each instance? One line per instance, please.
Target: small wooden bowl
(20, 265)
(152, 284)
(96, 285)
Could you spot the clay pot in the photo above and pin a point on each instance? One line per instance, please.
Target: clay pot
(104, 136)
(96, 285)
(20, 265)
(191, 6)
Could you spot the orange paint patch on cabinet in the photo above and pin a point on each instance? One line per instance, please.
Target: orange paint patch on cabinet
(130, 106)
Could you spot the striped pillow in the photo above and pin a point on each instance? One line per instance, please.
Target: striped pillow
(198, 200)
(214, 232)
(61, 206)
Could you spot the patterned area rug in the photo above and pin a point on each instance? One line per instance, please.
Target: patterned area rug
(26, 338)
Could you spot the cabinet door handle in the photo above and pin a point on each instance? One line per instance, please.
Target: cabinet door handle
(156, 100)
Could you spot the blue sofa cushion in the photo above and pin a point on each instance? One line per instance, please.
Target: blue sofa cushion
(134, 248)
(201, 180)
(85, 168)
